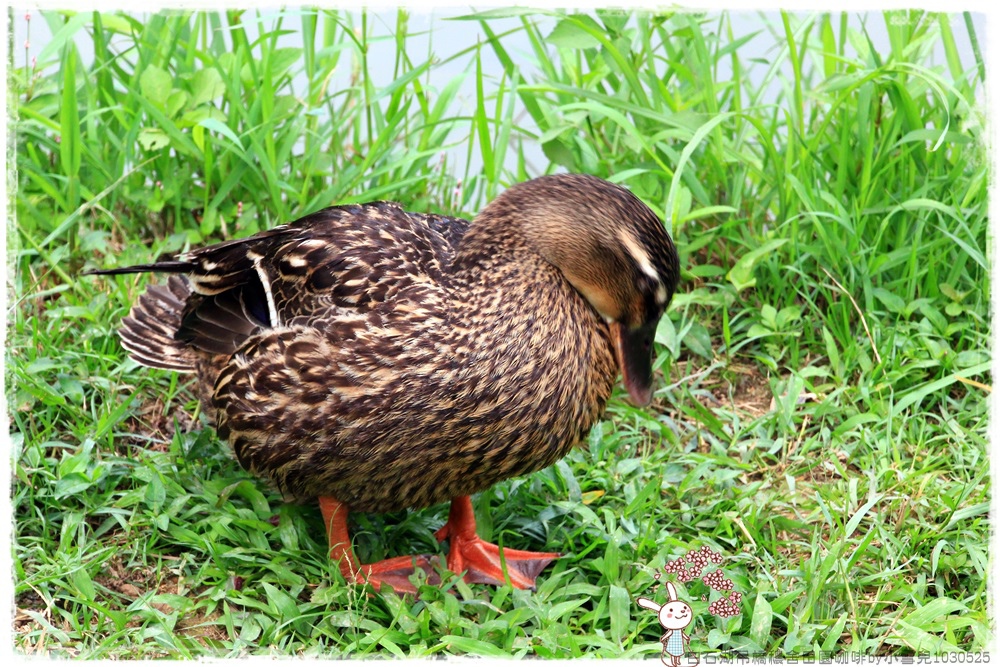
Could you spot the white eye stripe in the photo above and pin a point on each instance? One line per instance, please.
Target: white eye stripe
(642, 259)
(638, 254)
(661, 294)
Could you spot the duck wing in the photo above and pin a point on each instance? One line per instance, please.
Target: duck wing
(342, 260)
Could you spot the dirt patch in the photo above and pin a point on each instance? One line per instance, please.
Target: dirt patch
(133, 583)
(745, 391)
(753, 393)
(154, 426)
(203, 628)
(826, 473)
(738, 387)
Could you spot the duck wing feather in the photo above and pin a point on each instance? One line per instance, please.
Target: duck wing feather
(339, 260)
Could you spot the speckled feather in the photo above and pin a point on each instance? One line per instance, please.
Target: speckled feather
(391, 359)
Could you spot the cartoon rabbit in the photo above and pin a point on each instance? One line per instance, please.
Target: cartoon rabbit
(674, 616)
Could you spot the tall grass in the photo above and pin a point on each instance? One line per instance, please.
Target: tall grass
(821, 421)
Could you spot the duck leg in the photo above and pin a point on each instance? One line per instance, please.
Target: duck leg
(393, 571)
(486, 563)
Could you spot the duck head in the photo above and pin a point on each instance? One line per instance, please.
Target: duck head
(613, 249)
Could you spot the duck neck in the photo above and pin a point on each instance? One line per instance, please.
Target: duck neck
(582, 253)
(486, 248)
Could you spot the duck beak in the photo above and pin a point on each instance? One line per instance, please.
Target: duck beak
(635, 358)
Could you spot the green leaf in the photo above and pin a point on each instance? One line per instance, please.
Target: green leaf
(685, 157)
(558, 152)
(614, 20)
(209, 221)
(619, 607)
(216, 125)
(250, 630)
(952, 293)
(612, 560)
(760, 622)
(281, 601)
(923, 391)
(741, 275)
(969, 358)
(156, 493)
(153, 138)
(681, 205)
(705, 212)
(156, 84)
(893, 302)
(967, 513)
(852, 525)
(63, 35)
(206, 85)
(83, 583)
(920, 641)
(196, 116)
(935, 317)
(717, 638)
(114, 23)
(936, 554)
(666, 335)
(699, 341)
(830, 643)
(498, 13)
(282, 59)
(569, 34)
(831, 350)
(480, 121)
(769, 315)
(71, 388)
(651, 487)
(71, 484)
(473, 646)
(70, 149)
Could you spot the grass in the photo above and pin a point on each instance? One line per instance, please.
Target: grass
(821, 417)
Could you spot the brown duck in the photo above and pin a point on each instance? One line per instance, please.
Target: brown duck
(377, 359)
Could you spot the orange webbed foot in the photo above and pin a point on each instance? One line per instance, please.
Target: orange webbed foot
(395, 572)
(483, 562)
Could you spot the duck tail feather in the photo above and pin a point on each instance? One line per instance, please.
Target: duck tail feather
(169, 266)
(149, 333)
